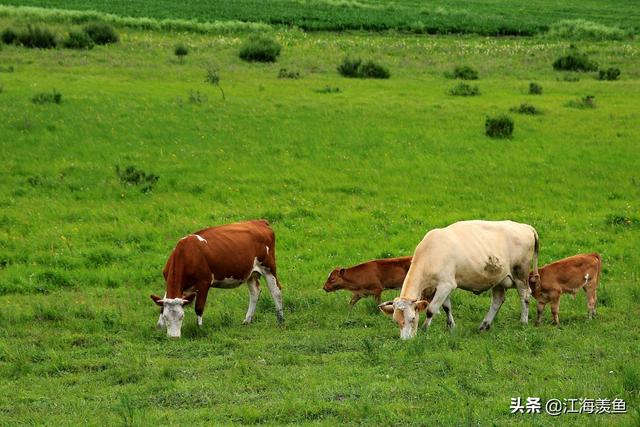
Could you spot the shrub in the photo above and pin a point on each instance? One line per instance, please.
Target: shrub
(9, 36)
(463, 72)
(585, 30)
(260, 48)
(78, 40)
(355, 68)
(499, 127)
(180, 50)
(609, 74)
(575, 61)
(286, 74)
(525, 108)
(36, 37)
(585, 102)
(214, 78)
(101, 33)
(570, 78)
(464, 89)
(134, 176)
(535, 89)
(197, 97)
(47, 98)
(328, 89)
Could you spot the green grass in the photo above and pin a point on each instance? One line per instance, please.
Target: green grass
(345, 177)
(494, 17)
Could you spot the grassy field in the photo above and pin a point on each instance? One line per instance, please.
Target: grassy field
(343, 177)
(494, 17)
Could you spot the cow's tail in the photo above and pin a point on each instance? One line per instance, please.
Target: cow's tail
(536, 250)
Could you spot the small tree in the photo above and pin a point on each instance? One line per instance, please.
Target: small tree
(180, 51)
(214, 78)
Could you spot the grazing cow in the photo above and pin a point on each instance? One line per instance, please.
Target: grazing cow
(567, 276)
(218, 257)
(471, 255)
(369, 278)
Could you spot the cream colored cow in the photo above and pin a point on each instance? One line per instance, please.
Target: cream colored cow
(471, 255)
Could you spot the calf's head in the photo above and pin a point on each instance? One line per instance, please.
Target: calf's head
(172, 313)
(535, 284)
(406, 314)
(335, 280)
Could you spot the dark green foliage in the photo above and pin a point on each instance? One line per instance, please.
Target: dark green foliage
(574, 61)
(499, 126)
(101, 33)
(78, 40)
(328, 89)
(9, 36)
(463, 72)
(213, 77)
(47, 98)
(180, 50)
(260, 48)
(355, 68)
(525, 108)
(132, 176)
(623, 221)
(286, 74)
(464, 89)
(37, 38)
(609, 74)
(535, 89)
(585, 102)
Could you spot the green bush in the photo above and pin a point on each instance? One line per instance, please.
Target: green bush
(464, 89)
(535, 89)
(47, 98)
(9, 36)
(499, 126)
(579, 29)
(133, 176)
(286, 74)
(101, 33)
(463, 72)
(588, 101)
(180, 50)
(355, 68)
(78, 40)
(574, 61)
(36, 37)
(609, 74)
(525, 108)
(328, 89)
(260, 48)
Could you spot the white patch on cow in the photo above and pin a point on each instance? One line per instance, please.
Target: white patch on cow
(586, 279)
(267, 249)
(199, 320)
(227, 282)
(202, 239)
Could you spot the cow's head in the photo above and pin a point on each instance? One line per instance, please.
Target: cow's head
(172, 313)
(406, 314)
(335, 280)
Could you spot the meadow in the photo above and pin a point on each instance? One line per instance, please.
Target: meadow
(343, 176)
(494, 17)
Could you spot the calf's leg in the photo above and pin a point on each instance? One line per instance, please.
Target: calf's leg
(555, 308)
(497, 298)
(540, 308)
(590, 289)
(254, 295)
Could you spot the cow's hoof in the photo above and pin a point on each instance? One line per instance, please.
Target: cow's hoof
(247, 321)
(484, 326)
(451, 325)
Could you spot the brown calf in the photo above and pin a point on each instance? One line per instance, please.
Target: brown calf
(567, 275)
(369, 278)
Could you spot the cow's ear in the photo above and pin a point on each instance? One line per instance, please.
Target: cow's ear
(422, 305)
(188, 299)
(341, 272)
(386, 308)
(157, 300)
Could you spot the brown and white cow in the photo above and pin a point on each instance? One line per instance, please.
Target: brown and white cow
(567, 275)
(471, 255)
(219, 257)
(369, 278)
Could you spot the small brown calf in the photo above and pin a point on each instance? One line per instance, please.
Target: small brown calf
(567, 275)
(369, 278)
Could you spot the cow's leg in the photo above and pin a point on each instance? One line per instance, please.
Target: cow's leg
(541, 306)
(274, 288)
(443, 291)
(354, 299)
(447, 310)
(590, 289)
(555, 308)
(201, 301)
(525, 292)
(378, 296)
(497, 298)
(254, 294)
